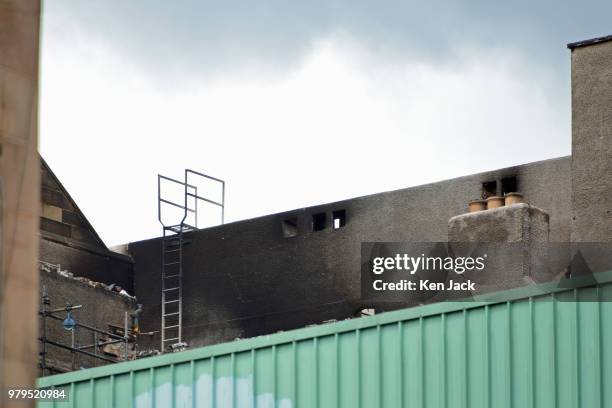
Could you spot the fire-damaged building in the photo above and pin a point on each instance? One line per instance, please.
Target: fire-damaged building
(303, 267)
(81, 276)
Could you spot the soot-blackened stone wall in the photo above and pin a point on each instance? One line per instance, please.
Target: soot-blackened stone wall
(254, 277)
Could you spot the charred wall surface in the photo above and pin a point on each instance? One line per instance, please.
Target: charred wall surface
(102, 308)
(101, 266)
(68, 239)
(292, 269)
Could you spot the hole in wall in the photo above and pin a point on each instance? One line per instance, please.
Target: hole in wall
(290, 228)
(319, 222)
(509, 185)
(338, 219)
(489, 189)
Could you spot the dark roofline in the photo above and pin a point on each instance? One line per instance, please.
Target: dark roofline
(592, 41)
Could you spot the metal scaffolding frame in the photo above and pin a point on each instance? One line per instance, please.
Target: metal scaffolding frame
(46, 313)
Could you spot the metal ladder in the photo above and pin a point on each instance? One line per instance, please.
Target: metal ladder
(173, 243)
(172, 288)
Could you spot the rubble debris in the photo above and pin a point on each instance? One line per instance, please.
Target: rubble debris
(367, 312)
(113, 287)
(116, 350)
(49, 267)
(176, 347)
(147, 353)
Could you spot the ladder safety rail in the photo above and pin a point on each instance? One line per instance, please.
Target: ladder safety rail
(205, 199)
(161, 200)
(173, 243)
(222, 182)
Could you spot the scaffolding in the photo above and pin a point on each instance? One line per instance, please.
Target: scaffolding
(100, 338)
(173, 242)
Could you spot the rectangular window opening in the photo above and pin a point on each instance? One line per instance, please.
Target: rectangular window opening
(319, 221)
(290, 228)
(339, 219)
(509, 185)
(489, 189)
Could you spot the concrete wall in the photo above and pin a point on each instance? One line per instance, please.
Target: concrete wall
(515, 239)
(512, 223)
(101, 308)
(19, 194)
(592, 140)
(246, 278)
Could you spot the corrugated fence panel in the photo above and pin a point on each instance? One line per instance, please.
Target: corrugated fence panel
(535, 347)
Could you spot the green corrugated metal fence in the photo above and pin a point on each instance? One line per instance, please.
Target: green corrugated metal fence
(531, 347)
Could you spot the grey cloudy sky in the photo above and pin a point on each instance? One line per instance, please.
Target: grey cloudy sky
(298, 103)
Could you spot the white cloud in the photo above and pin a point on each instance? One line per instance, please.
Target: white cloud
(340, 125)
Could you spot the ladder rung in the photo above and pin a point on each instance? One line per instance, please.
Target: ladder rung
(172, 263)
(171, 301)
(169, 289)
(171, 250)
(171, 327)
(171, 314)
(174, 338)
(170, 276)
